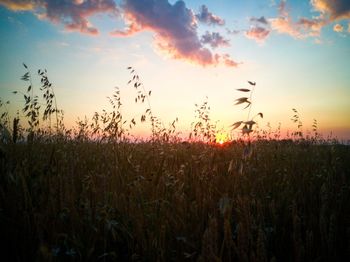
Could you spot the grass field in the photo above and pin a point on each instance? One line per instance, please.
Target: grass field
(85, 201)
(93, 194)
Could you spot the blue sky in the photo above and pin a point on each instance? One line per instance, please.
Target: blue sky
(298, 52)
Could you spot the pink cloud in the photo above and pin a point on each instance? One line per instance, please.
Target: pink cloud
(300, 29)
(174, 25)
(335, 9)
(338, 28)
(232, 32)
(283, 25)
(206, 17)
(73, 15)
(329, 11)
(132, 28)
(175, 29)
(261, 20)
(18, 5)
(214, 39)
(314, 24)
(228, 61)
(259, 30)
(257, 33)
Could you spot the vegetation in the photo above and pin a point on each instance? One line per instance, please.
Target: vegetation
(92, 194)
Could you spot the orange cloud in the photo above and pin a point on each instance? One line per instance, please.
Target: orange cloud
(335, 9)
(283, 25)
(175, 28)
(338, 28)
(228, 61)
(314, 25)
(131, 29)
(330, 11)
(214, 39)
(303, 28)
(258, 33)
(209, 18)
(73, 15)
(261, 20)
(19, 5)
(259, 30)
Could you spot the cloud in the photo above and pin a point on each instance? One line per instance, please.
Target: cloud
(338, 28)
(174, 25)
(335, 9)
(18, 5)
(300, 29)
(261, 20)
(73, 15)
(228, 61)
(232, 32)
(259, 30)
(206, 17)
(175, 29)
(258, 33)
(131, 29)
(214, 39)
(283, 24)
(329, 11)
(311, 27)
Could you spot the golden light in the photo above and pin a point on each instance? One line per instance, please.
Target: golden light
(221, 138)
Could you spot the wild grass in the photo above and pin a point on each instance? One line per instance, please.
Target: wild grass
(92, 194)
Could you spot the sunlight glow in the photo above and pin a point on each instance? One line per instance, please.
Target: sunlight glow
(221, 138)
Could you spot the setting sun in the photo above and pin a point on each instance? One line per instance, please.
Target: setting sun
(221, 138)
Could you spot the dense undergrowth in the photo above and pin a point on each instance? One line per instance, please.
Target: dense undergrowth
(83, 201)
(93, 194)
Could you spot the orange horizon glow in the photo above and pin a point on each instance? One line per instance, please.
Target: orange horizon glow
(221, 138)
(295, 57)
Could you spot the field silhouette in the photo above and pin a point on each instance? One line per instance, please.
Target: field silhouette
(93, 193)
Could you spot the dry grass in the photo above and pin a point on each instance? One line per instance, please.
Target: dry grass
(89, 194)
(83, 201)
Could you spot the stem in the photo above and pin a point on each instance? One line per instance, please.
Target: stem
(251, 103)
(7, 116)
(56, 110)
(32, 97)
(149, 105)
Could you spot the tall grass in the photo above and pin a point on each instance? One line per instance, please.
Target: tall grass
(92, 194)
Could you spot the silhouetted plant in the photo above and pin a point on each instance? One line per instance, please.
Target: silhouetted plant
(249, 123)
(203, 129)
(296, 119)
(82, 132)
(115, 123)
(15, 130)
(315, 130)
(31, 107)
(4, 122)
(142, 96)
(78, 199)
(50, 101)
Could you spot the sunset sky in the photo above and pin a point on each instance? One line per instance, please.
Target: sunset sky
(297, 51)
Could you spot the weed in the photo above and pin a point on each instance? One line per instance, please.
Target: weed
(94, 194)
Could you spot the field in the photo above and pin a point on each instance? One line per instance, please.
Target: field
(93, 193)
(88, 201)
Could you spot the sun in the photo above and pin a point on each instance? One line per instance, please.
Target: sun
(221, 138)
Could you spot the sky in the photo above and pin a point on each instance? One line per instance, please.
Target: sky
(297, 52)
